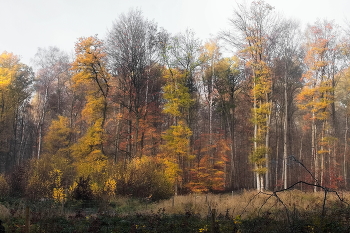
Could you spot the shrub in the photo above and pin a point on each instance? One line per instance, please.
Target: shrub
(18, 180)
(110, 187)
(4, 187)
(4, 212)
(144, 177)
(82, 190)
(38, 184)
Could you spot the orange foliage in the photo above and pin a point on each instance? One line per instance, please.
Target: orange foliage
(210, 172)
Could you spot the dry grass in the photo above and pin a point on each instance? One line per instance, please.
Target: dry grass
(248, 203)
(244, 204)
(250, 211)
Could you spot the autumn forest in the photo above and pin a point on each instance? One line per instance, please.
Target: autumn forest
(147, 113)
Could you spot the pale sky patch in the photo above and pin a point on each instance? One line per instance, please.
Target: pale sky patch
(29, 24)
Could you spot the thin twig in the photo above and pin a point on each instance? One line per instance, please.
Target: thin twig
(316, 184)
(244, 210)
(297, 161)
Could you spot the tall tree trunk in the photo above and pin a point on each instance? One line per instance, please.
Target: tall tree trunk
(232, 152)
(314, 149)
(285, 131)
(267, 145)
(259, 177)
(322, 154)
(116, 139)
(345, 151)
(41, 122)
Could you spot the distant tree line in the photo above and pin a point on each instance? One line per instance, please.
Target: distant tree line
(150, 114)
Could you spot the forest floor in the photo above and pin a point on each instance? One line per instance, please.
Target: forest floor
(246, 211)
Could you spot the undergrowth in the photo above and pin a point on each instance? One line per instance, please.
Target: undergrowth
(246, 211)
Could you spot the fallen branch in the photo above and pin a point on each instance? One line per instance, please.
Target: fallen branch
(275, 193)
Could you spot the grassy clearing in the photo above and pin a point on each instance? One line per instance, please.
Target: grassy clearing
(248, 203)
(294, 211)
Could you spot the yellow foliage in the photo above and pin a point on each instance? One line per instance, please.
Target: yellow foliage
(93, 109)
(58, 191)
(72, 187)
(176, 94)
(95, 188)
(91, 78)
(316, 95)
(89, 65)
(317, 100)
(89, 158)
(37, 187)
(177, 140)
(93, 165)
(210, 52)
(110, 187)
(260, 170)
(92, 140)
(56, 176)
(5, 80)
(172, 170)
(9, 64)
(58, 136)
(258, 156)
(58, 194)
(226, 66)
(145, 176)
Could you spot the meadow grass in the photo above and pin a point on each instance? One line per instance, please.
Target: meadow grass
(248, 203)
(245, 211)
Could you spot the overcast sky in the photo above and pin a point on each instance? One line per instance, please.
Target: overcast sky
(26, 25)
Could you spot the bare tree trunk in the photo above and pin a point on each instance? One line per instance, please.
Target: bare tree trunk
(314, 148)
(210, 103)
(258, 184)
(285, 131)
(345, 152)
(267, 145)
(261, 181)
(116, 140)
(300, 158)
(129, 140)
(41, 122)
(322, 154)
(232, 153)
(136, 139)
(276, 166)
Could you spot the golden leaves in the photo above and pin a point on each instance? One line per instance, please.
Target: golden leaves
(316, 99)
(9, 65)
(177, 140)
(110, 187)
(176, 93)
(58, 136)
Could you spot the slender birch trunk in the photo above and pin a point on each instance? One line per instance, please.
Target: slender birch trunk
(314, 149)
(285, 138)
(41, 123)
(345, 151)
(257, 174)
(267, 145)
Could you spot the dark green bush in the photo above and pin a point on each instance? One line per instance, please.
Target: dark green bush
(83, 190)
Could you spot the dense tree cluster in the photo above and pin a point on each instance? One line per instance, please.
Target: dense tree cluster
(150, 114)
